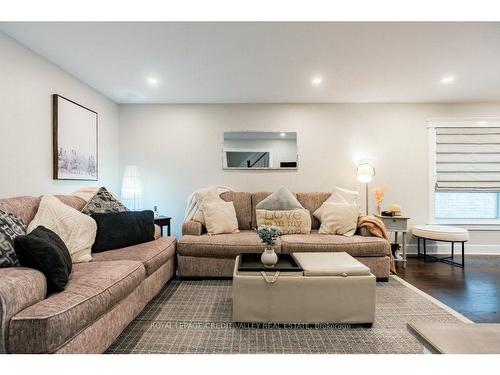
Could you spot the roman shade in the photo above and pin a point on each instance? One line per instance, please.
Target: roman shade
(468, 159)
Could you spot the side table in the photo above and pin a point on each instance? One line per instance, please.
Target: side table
(163, 221)
(396, 225)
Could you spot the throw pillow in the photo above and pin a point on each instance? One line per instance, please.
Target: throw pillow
(121, 229)
(77, 230)
(220, 217)
(338, 196)
(288, 221)
(204, 198)
(44, 251)
(10, 227)
(281, 199)
(339, 218)
(102, 202)
(349, 196)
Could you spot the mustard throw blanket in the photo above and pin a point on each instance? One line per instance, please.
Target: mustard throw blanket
(376, 228)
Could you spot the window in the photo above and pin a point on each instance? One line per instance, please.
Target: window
(465, 171)
(466, 205)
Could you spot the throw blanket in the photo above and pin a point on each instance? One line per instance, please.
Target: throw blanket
(376, 228)
(195, 199)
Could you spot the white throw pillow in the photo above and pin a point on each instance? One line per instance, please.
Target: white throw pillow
(349, 196)
(76, 230)
(339, 195)
(205, 197)
(339, 218)
(220, 217)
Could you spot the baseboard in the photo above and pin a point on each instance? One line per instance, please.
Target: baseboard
(445, 248)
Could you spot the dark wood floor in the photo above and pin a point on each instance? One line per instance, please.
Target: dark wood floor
(473, 291)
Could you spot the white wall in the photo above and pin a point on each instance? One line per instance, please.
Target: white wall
(27, 82)
(178, 148)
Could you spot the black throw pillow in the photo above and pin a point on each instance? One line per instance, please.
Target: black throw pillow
(122, 229)
(44, 251)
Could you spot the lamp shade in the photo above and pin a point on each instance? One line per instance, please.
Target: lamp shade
(365, 171)
(132, 188)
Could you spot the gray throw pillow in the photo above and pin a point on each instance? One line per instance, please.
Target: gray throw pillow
(281, 199)
(10, 227)
(102, 203)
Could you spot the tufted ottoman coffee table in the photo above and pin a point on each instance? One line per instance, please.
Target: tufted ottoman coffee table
(331, 288)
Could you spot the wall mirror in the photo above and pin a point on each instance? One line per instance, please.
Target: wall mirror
(260, 150)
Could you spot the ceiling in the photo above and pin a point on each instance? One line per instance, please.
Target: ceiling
(274, 62)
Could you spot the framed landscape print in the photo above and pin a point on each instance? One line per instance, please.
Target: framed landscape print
(74, 140)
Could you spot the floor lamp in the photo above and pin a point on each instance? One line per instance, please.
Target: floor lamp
(365, 174)
(132, 188)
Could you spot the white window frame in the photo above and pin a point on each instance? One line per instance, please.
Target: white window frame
(455, 122)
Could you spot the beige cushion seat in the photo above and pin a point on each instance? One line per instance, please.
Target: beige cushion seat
(441, 233)
(93, 289)
(333, 288)
(222, 245)
(356, 245)
(152, 254)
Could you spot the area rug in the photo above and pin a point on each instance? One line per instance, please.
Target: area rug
(195, 317)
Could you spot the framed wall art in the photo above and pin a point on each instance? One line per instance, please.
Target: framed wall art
(74, 140)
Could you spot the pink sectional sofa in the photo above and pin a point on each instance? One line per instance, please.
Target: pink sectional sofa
(101, 298)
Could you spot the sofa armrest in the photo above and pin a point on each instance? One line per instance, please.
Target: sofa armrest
(364, 232)
(20, 288)
(192, 228)
(157, 233)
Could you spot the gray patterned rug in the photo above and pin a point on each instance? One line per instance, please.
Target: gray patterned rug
(195, 317)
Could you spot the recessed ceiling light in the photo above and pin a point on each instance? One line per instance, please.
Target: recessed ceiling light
(316, 81)
(153, 81)
(282, 134)
(447, 80)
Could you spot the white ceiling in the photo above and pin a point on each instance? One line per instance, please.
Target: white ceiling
(274, 62)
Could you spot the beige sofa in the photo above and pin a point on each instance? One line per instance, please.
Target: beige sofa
(200, 255)
(101, 298)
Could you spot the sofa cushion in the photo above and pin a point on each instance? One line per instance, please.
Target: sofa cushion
(20, 287)
(122, 229)
(103, 202)
(242, 205)
(75, 229)
(10, 228)
(93, 289)
(256, 199)
(222, 245)
(44, 251)
(287, 221)
(26, 207)
(282, 199)
(354, 246)
(152, 254)
(311, 202)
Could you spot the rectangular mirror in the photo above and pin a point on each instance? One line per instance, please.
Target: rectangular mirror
(260, 150)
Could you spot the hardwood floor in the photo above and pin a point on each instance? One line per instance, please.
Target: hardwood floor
(473, 291)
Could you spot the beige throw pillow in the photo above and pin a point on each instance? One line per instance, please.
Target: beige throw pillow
(339, 218)
(205, 197)
(288, 221)
(76, 230)
(339, 195)
(220, 217)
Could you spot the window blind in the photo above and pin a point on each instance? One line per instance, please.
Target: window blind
(468, 159)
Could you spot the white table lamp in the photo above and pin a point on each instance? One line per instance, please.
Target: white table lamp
(365, 174)
(132, 188)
